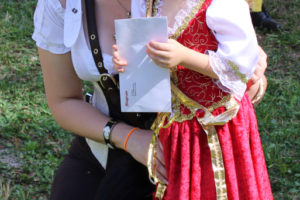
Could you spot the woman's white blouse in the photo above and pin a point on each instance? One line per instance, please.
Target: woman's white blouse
(59, 30)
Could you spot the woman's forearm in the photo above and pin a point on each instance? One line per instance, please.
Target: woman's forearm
(83, 119)
(79, 117)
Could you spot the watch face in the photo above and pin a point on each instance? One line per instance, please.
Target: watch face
(106, 132)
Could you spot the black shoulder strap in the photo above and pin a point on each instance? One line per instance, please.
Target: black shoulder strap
(93, 36)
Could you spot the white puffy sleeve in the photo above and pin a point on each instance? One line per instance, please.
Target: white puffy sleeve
(237, 55)
(49, 26)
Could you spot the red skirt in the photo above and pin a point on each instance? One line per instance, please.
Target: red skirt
(188, 159)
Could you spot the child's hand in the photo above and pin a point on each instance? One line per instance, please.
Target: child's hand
(119, 63)
(166, 55)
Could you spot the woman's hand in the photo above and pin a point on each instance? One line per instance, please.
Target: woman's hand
(138, 146)
(260, 68)
(253, 83)
(119, 63)
(166, 55)
(160, 163)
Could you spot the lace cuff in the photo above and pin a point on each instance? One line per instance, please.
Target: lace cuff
(230, 80)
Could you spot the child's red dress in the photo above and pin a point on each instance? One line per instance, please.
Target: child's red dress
(212, 147)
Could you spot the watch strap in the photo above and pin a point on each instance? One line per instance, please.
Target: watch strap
(107, 132)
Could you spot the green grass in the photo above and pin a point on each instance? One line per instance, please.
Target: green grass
(28, 134)
(32, 144)
(279, 114)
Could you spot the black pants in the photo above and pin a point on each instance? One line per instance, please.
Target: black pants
(81, 177)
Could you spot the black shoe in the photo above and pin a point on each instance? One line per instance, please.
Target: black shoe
(263, 20)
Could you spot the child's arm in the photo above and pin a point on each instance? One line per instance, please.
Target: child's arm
(234, 62)
(171, 54)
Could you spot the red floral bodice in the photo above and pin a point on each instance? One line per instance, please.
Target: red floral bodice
(198, 36)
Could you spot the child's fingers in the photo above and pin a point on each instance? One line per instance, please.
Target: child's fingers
(160, 46)
(159, 63)
(119, 68)
(116, 55)
(120, 62)
(157, 53)
(157, 60)
(115, 47)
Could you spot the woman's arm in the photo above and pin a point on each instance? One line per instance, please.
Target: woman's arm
(64, 90)
(64, 96)
(258, 82)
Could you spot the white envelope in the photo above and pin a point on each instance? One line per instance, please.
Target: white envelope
(144, 87)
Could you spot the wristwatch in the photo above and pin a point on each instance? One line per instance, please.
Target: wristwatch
(107, 132)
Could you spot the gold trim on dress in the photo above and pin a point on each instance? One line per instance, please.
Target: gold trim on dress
(187, 19)
(237, 72)
(217, 162)
(220, 103)
(151, 165)
(155, 7)
(208, 123)
(149, 8)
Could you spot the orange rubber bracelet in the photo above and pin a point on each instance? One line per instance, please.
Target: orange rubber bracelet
(128, 136)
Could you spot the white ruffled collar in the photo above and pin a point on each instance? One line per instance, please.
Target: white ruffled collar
(180, 16)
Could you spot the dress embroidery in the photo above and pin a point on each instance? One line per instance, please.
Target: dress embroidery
(227, 68)
(193, 134)
(208, 122)
(195, 94)
(195, 148)
(237, 72)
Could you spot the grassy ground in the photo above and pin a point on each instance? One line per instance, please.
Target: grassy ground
(32, 145)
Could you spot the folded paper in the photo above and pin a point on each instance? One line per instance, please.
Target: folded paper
(144, 86)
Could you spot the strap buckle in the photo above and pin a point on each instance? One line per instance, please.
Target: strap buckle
(106, 80)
